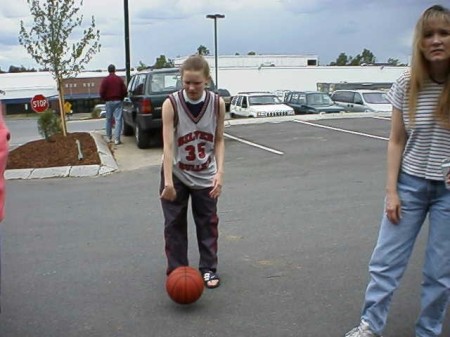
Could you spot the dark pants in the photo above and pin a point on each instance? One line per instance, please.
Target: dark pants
(204, 210)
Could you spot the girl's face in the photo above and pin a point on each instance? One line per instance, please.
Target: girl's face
(436, 41)
(194, 82)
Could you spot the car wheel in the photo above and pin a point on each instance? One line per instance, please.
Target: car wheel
(127, 129)
(142, 138)
(232, 115)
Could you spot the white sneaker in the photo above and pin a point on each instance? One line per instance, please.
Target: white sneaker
(363, 330)
(117, 142)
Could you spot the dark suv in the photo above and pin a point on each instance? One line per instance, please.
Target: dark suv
(147, 91)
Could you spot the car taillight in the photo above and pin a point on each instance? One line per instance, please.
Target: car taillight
(146, 106)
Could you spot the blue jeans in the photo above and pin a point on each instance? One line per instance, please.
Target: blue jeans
(418, 197)
(113, 109)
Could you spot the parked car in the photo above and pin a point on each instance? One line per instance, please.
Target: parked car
(101, 110)
(311, 102)
(226, 96)
(258, 104)
(281, 94)
(362, 100)
(147, 91)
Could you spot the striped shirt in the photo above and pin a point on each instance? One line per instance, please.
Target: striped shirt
(428, 143)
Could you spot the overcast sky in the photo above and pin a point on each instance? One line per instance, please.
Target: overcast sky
(175, 28)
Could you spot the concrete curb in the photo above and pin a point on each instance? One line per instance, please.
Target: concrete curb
(108, 165)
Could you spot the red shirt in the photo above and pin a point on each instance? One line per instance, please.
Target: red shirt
(113, 88)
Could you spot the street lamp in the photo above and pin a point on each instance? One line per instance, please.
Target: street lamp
(215, 17)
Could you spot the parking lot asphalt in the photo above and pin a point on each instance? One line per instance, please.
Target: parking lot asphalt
(299, 217)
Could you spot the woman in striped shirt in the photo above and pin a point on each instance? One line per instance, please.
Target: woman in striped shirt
(419, 143)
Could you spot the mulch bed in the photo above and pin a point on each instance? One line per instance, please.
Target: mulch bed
(58, 151)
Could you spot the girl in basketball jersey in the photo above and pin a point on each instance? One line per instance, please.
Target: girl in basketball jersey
(193, 123)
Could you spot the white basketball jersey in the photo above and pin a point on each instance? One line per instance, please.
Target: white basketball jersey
(194, 137)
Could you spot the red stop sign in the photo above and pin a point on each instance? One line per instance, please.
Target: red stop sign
(39, 103)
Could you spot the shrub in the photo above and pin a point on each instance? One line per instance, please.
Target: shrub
(48, 124)
(95, 113)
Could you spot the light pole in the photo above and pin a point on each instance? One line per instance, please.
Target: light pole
(127, 40)
(215, 17)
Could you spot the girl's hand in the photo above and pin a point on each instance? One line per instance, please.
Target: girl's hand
(217, 186)
(169, 193)
(393, 207)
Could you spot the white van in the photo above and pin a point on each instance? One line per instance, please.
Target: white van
(362, 100)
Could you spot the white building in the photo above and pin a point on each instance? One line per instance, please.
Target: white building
(235, 73)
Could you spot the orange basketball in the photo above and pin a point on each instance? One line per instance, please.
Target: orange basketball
(184, 285)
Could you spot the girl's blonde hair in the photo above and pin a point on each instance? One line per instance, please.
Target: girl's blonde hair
(196, 63)
(420, 67)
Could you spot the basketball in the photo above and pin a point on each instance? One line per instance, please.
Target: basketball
(184, 285)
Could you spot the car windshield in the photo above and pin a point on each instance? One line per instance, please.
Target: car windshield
(264, 100)
(318, 99)
(165, 82)
(376, 98)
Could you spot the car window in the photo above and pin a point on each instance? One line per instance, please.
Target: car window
(376, 98)
(138, 88)
(234, 100)
(294, 98)
(131, 84)
(239, 101)
(223, 92)
(161, 82)
(302, 99)
(318, 99)
(358, 99)
(344, 96)
(264, 100)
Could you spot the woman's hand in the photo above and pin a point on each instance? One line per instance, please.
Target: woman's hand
(169, 193)
(393, 207)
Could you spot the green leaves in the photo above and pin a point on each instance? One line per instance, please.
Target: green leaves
(49, 39)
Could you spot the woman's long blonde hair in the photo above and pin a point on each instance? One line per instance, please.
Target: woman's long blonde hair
(420, 67)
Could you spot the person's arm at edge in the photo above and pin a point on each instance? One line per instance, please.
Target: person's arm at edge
(396, 146)
(168, 129)
(219, 151)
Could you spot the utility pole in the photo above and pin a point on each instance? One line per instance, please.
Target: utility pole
(127, 41)
(215, 17)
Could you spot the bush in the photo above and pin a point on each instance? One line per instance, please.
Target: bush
(48, 124)
(95, 113)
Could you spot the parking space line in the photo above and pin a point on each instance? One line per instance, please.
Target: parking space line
(383, 118)
(341, 130)
(262, 147)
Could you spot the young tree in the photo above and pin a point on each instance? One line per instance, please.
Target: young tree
(162, 62)
(141, 66)
(49, 41)
(202, 50)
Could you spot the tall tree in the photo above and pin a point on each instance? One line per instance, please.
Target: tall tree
(49, 41)
(162, 62)
(393, 62)
(367, 57)
(341, 60)
(202, 50)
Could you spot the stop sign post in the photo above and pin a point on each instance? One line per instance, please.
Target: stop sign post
(39, 103)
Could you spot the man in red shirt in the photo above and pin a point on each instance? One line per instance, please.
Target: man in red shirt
(113, 91)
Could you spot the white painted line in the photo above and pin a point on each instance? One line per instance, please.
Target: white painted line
(341, 130)
(383, 118)
(262, 147)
